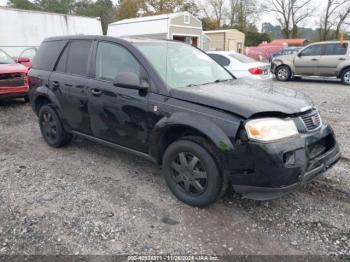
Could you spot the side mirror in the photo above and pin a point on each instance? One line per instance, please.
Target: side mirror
(23, 60)
(129, 80)
(299, 54)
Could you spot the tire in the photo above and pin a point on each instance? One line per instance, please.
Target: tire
(191, 173)
(345, 77)
(51, 127)
(283, 73)
(26, 99)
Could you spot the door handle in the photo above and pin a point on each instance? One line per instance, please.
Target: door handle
(96, 92)
(314, 59)
(55, 84)
(342, 59)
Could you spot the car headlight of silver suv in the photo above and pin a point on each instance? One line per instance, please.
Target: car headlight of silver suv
(270, 129)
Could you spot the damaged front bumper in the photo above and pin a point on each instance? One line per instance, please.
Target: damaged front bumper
(268, 171)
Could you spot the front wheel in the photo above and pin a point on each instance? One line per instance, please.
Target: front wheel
(191, 173)
(283, 73)
(345, 78)
(52, 128)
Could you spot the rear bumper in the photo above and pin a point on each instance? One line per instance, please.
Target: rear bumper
(269, 171)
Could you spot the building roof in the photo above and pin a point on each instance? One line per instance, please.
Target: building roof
(292, 42)
(45, 13)
(221, 31)
(152, 18)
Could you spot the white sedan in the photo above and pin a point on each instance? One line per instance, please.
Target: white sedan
(242, 66)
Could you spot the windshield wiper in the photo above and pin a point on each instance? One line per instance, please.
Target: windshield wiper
(216, 81)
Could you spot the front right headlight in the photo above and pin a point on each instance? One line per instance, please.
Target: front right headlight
(270, 129)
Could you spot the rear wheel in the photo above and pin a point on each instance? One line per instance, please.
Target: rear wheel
(52, 128)
(283, 73)
(345, 78)
(191, 173)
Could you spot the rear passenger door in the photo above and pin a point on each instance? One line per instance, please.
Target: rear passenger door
(118, 115)
(69, 81)
(333, 55)
(307, 61)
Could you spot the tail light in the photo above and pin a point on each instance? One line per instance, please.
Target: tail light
(255, 71)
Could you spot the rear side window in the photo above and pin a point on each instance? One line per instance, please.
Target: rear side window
(220, 59)
(112, 59)
(336, 49)
(47, 54)
(78, 56)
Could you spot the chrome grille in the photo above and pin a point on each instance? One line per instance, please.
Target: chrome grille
(312, 120)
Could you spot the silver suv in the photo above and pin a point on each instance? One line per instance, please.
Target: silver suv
(329, 59)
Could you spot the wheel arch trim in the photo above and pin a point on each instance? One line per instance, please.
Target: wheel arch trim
(201, 124)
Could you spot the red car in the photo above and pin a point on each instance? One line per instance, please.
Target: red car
(13, 78)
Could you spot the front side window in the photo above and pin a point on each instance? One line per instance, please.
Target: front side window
(5, 58)
(112, 59)
(78, 56)
(336, 49)
(314, 50)
(181, 65)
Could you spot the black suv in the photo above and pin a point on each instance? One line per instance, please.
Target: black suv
(173, 104)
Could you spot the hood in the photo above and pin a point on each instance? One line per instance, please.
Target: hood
(246, 97)
(12, 68)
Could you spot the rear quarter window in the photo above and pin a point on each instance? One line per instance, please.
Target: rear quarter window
(336, 49)
(220, 59)
(47, 55)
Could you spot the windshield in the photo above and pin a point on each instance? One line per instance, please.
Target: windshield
(242, 58)
(5, 58)
(181, 65)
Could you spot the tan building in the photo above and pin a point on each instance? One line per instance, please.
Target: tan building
(176, 26)
(226, 40)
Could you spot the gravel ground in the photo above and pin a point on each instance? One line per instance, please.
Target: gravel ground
(89, 199)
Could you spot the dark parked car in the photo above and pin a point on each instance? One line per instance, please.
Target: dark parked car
(173, 104)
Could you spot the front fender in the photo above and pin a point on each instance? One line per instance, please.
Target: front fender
(203, 125)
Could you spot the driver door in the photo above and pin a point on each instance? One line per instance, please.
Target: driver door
(307, 61)
(118, 115)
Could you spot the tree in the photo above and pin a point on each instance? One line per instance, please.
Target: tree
(156, 7)
(209, 23)
(101, 8)
(255, 38)
(274, 30)
(290, 13)
(57, 6)
(128, 9)
(335, 14)
(22, 4)
(216, 10)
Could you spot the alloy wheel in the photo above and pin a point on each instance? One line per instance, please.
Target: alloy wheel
(189, 173)
(49, 126)
(347, 78)
(283, 73)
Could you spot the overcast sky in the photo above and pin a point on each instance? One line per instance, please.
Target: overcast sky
(317, 6)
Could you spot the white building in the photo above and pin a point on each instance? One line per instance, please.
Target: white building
(21, 29)
(176, 26)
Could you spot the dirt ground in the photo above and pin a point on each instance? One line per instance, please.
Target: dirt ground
(90, 199)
